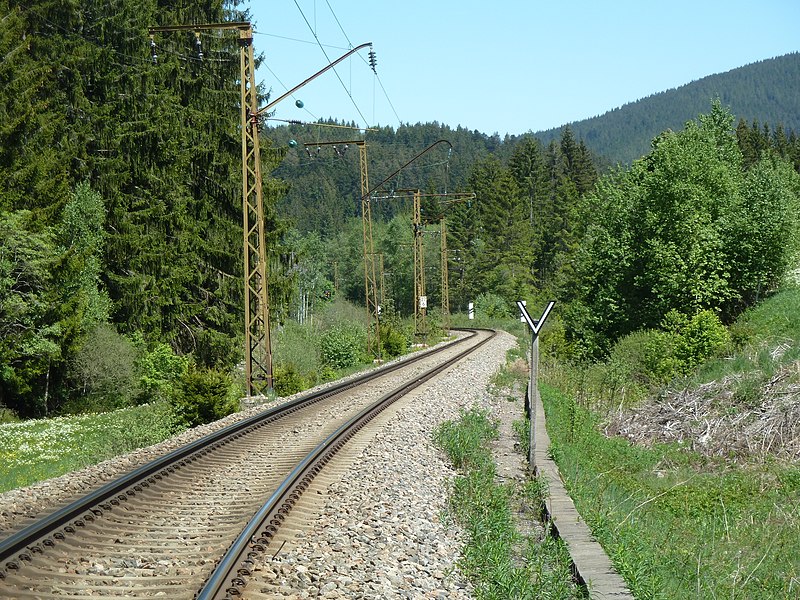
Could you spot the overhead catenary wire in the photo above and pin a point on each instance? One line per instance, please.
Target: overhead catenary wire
(371, 64)
(285, 87)
(292, 39)
(349, 95)
(123, 59)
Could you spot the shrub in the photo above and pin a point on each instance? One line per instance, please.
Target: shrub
(700, 338)
(202, 396)
(7, 415)
(492, 306)
(287, 380)
(326, 373)
(158, 369)
(660, 359)
(394, 341)
(104, 371)
(342, 345)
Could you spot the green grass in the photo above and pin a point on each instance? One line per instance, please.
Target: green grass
(499, 561)
(675, 524)
(36, 450)
(768, 337)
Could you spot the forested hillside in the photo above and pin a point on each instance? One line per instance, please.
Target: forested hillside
(120, 197)
(765, 92)
(120, 212)
(763, 96)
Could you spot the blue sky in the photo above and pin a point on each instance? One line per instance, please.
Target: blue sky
(505, 67)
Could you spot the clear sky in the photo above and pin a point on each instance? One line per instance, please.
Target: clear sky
(505, 66)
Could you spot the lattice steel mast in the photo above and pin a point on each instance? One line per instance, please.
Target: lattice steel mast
(258, 346)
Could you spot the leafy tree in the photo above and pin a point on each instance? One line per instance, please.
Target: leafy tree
(394, 241)
(82, 237)
(308, 272)
(104, 371)
(682, 230)
(29, 328)
(158, 369)
(343, 345)
(761, 231)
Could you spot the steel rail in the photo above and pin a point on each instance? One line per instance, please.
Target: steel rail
(235, 566)
(26, 541)
(86, 508)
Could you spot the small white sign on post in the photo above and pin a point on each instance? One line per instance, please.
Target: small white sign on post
(423, 302)
(471, 310)
(533, 383)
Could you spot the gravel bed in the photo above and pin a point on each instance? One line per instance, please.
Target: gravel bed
(19, 507)
(383, 531)
(389, 537)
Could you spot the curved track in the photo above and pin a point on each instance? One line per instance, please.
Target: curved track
(161, 529)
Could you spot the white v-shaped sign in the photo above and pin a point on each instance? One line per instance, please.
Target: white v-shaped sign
(536, 326)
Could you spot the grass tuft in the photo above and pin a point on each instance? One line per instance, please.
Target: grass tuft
(491, 558)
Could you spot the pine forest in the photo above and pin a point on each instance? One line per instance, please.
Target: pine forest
(121, 217)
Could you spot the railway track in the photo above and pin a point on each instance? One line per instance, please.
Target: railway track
(192, 523)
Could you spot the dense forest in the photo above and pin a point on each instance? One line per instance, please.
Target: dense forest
(120, 201)
(120, 211)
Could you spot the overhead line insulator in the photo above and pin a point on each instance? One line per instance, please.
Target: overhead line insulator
(373, 61)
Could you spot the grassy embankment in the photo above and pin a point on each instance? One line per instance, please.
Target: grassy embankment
(717, 516)
(500, 561)
(39, 449)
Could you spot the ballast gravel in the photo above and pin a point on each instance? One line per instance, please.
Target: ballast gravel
(383, 532)
(21, 506)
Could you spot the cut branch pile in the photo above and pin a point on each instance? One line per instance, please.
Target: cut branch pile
(717, 419)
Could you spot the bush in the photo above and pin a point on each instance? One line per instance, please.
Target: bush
(701, 337)
(202, 396)
(104, 371)
(655, 357)
(286, 380)
(7, 415)
(686, 342)
(158, 369)
(394, 341)
(660, 359)
(326, 373)
(492, 306)
(342, 345)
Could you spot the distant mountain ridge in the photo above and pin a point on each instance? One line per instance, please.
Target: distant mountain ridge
(767, 91)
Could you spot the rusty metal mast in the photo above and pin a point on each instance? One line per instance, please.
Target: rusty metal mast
(445, 279)
(420, 297)
(258, 346)
(370, 277)
(370, 280)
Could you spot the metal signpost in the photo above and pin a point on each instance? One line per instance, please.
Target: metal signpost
(533, 383)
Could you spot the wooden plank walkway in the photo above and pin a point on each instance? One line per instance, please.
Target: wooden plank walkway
(592, 565)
